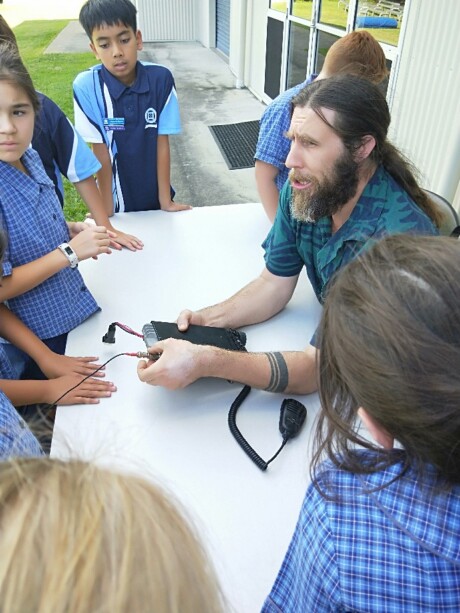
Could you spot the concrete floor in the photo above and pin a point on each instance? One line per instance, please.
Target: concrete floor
(207, 96)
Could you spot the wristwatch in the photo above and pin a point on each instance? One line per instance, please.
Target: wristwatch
(69, 254)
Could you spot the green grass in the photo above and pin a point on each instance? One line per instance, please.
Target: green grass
(334, 15)
(53, 75)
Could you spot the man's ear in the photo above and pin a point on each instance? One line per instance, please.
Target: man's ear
(139, 41)
(366, 147)
(378, 433)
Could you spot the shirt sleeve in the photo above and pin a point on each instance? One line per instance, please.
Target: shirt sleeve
(272, 146)
(61, 149)
(72, 155)
(89, 121)
(15, 437)
(169, 121)
(308, 579)
(282, 257)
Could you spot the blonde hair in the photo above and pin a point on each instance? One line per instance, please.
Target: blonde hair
(359, 54)
(78, 538)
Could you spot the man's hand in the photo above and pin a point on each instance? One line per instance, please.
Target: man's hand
(88, 392)
(55, 365)
(178, 366)
(188, 317)
(173, 207)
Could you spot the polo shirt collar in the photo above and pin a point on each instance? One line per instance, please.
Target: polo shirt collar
(117, 88)
(36, 171)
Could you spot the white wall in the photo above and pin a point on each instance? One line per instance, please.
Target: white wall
(248, 31)
(205, 22)
(255, 48)
(426, 104)
(163, 20)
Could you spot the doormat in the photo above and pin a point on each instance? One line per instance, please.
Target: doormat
(237, 142)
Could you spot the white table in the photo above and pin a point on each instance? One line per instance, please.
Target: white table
(181, 438)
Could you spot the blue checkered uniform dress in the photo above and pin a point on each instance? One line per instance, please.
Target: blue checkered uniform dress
(32, 218)
(396, 550)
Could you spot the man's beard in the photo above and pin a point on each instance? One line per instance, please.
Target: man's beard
(325, 198)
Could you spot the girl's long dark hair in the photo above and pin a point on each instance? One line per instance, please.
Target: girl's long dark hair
(13, 70)
(390, 343)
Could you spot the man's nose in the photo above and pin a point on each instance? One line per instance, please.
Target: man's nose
(294, 158)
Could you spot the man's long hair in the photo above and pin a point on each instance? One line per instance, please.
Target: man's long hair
(360, 110)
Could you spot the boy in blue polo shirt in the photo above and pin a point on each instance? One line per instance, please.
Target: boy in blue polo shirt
(126, 109)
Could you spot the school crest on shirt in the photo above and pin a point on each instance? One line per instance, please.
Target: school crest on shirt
(150, 118)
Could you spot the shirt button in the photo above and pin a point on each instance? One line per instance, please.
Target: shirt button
(54, 216)
(83, 288)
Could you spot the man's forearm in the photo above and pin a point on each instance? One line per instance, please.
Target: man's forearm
(292, 372)
(258, 301)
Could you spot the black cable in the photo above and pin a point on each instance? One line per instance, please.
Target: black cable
(109, 336)
(53, 404)
(242, 442)
(292, 417)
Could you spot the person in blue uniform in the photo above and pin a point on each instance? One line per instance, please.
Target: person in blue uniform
(356, 53)
(126, 109)
(348, 188)
(63, 152)
(379, 527)
(15, 437)
(41, 280)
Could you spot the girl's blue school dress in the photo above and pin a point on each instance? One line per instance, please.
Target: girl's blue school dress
(31, 216)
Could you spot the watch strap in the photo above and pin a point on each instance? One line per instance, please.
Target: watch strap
(70, 254)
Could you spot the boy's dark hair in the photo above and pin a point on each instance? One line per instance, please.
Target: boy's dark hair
(6, 33)
(390, 343)
(97, 13)
(13, 70)
(361, 109)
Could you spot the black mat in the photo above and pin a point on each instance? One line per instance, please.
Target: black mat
(237, 142)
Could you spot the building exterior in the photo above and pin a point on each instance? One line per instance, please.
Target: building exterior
(271, 45)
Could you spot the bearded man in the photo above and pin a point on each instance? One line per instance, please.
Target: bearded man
(348, 187)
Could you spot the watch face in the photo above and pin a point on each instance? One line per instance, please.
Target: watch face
(68, 250)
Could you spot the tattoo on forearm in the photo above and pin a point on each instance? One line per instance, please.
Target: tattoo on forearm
(279, 372)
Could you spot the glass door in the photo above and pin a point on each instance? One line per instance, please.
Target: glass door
(274, 48)
(300, 33)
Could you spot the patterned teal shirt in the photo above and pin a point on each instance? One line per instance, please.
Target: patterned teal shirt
(383, 208)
